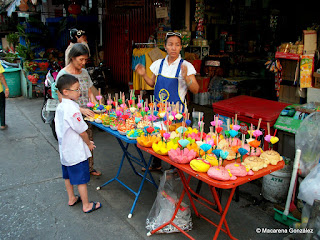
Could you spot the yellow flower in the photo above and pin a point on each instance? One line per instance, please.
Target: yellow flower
(274, 140)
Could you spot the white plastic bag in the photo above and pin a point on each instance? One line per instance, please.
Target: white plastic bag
(307, 139)
(309, 189)
(164, 206)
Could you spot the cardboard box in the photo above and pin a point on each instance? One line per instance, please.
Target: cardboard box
(287, 94)
(316, 82)
(313, 95)
(203, 83)
(309, 41)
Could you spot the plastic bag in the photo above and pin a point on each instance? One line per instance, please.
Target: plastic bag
(162, 210)
(309, 188)
(307, 139)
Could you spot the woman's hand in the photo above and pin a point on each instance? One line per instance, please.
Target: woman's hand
(6, 92)
(140, 69)
(87, 112)
(184, 72)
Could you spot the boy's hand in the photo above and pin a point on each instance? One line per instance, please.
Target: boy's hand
(91, 145)
(87, 112)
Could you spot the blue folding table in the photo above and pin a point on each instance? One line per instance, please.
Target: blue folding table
(131, 159)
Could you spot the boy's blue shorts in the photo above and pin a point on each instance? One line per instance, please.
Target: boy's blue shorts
(77, 174)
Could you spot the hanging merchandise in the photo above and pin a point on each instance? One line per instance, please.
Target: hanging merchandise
(223, 38)
(274, 65)
(141, 55)
(199, 16)
(23, 7)
(74, 8)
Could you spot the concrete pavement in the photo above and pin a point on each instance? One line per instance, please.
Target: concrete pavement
(33, 201)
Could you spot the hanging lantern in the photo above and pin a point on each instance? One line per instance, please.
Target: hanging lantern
(23, 7)
(74, 9)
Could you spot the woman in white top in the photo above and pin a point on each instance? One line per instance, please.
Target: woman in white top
(78, 57)
(171, 78)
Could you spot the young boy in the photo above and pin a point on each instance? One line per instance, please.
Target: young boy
(74, 143)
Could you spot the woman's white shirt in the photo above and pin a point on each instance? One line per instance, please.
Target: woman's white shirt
(171, 70)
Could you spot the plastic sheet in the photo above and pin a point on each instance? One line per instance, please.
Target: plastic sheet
(307, 139)
(164, 206)
(309, 189)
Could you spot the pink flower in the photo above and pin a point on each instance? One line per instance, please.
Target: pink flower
(236, 127)
(166, 136)
(211, 142)
(257, 133)
(219, 123)
(267, 138)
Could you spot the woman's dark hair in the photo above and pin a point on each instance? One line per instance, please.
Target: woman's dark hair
(74, 33)
(165, 40)
(78, 49)
(65, 81)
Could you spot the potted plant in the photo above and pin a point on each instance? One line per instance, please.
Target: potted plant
(25, 52)
(13, 40)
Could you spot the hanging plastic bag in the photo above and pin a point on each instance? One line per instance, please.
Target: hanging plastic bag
(309, 189)
(307, 139)
(168, 195)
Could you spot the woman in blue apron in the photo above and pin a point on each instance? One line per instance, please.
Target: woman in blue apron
(172, 77)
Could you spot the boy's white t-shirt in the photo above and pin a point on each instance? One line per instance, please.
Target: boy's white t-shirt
(69, 124)
(171, 70)
(85, 84)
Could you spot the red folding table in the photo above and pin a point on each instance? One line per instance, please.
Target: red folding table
(213, 185)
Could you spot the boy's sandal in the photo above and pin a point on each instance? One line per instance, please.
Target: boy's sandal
(95, 173)
(93, 207)
(77, 201)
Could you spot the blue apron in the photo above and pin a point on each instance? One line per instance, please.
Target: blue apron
(168, 88)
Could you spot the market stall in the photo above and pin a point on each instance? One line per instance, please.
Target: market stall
(222, 158)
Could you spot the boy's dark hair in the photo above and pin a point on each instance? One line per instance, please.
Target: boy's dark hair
(65, 81)
(78, 49)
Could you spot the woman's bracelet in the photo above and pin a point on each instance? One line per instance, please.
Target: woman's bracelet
(189, 83)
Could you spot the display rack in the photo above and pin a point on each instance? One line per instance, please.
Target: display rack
(203, 52)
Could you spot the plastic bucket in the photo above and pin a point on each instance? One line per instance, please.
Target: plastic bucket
(13, 79)
(275, 186)
(195, 119)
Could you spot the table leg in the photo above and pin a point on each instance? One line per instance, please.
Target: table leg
(223, 212)
(216, 197)
(124, 149)
(140, 161)
(147, 165)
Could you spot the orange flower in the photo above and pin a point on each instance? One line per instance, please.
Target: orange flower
(235, 148)
(255, 143)
(194, 147)
(147, 141)
(160, 105)
(162, 132)
(203, 153)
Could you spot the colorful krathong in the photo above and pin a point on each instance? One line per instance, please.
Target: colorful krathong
(224, 154)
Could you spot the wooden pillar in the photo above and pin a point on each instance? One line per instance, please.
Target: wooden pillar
(187, 15)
